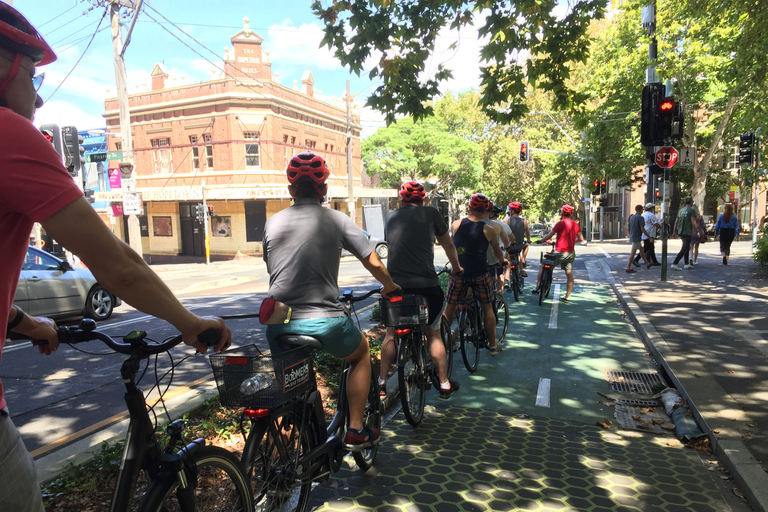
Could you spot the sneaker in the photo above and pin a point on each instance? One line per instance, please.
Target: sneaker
(495, 350)
(656, 264)
(363, 439)
(506, 285)
(676, 267)
(636, 263)
(524, 273)
(445, 394)
(725, 260)
(689, 266)
(535, 291)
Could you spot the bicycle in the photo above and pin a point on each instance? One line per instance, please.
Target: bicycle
(181, 477)
(416, 371)
(501, 313)
(516, 280)
(547, 260)
(288, 445)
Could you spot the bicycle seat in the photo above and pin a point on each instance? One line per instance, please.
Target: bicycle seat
(289, 341)
(515, 250)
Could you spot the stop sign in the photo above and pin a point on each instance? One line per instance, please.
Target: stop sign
(666, 156)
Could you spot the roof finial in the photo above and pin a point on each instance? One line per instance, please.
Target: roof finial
(246, 28)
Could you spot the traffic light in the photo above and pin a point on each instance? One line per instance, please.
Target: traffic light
(210, 211)
(746, 148)
(665, 117)
(72, 145)
(599, 187)
(524, 152)
(652, 95)
(52, 132)
(200, 211)
(662, 118)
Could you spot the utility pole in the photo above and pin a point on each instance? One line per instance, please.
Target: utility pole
(134, 230)
(755, 187)
(350, 181)
(205, 227)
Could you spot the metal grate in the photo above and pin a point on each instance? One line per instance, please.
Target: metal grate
(638, 403)
(632, 382)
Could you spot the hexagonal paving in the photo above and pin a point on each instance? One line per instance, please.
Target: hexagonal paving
(465, 459)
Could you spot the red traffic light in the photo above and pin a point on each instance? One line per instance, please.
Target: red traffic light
(48, 136)
(667, 104)
(523, 148)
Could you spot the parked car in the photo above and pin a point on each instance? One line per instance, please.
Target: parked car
(377, 244)
(51, 287)
(538, 230)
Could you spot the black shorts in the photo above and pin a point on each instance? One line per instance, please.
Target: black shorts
(435, 299)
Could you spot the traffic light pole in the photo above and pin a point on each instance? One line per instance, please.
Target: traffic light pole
(755, 187)
(205, 228)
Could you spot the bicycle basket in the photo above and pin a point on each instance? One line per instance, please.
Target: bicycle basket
(281, 376)
(405, 310)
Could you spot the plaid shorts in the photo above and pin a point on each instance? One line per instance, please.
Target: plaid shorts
(482, 286)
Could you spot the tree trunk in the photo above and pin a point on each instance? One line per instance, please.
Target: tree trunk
(701, 169)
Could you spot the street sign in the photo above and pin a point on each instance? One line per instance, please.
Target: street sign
(688, 157)
(132, 204)
(611, 209)
(666, 156)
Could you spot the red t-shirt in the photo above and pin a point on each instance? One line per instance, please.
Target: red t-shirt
(33, 186)
(567, 232)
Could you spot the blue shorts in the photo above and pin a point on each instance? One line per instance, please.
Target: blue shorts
(339, 336)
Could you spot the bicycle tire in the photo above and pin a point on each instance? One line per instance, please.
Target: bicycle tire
(446, 335)
(515, 290)
(221, 485)
(520, 282)
(272, 476)
(501, 311)
(410, 377)
(542, 287)
(371, 417)
(470, 342)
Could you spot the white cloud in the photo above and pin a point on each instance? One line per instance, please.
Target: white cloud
(67, 114)
(299, 47)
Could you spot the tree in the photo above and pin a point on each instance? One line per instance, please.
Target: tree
(528, 44)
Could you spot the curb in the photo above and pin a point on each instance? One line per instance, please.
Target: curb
(207, 285)
(746, 470)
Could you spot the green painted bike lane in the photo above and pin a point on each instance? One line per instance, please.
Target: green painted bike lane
(522, 432)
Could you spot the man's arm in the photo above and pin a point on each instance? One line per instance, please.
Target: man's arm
(548, 236)
(446, 242)
(503, 235)
(492, 236)
(527, 231)
(35, 328)
(124, 273)
(580, 237)
(373, 264)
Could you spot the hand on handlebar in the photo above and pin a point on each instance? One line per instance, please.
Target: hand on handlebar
(457, 271)
(389, 292)
(42, 328)
(192, 338)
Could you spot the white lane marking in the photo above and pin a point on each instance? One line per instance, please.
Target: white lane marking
(28, 344)
(542, 395)
(555, 306)
(756, 339)
(603, 251)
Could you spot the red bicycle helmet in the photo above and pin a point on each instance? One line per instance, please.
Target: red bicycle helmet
(308, 165)
(566, 209)
(411, 190)
(480, 203)
(515, 206)
(18, 35)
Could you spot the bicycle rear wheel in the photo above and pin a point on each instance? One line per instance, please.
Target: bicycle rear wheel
(500, 310)
(410, 376)
(544, 285)
(273, 481)
(221, 485)
(520, 280)
(514, 276)
(445, 334)
(371, 417)
(470, 340)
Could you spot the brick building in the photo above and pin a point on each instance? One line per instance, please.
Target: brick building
(233, 136)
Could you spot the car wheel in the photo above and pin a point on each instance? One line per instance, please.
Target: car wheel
(99, 304)
(382, 251)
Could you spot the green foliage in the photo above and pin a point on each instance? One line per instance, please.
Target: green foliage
(527, 33)
(376, 313)
(761, 248)
(94, 475)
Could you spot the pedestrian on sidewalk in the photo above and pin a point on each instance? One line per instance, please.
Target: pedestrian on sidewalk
(36, 187)
(700, 237)
(728, 228)
(685, 225)
(651, 227)
(636, 232)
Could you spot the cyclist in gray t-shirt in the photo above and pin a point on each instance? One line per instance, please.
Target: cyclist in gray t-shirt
(302, 248)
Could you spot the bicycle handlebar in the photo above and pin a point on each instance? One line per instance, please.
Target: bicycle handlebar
(85, 332)
(348, 295)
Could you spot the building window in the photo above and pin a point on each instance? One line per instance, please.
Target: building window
(195, 153)
(252, 155)
(118, 146)
(161, 155)
(310, 144)
(293, 141)
(208, 138)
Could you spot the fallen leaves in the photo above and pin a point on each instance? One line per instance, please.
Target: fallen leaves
(605, 424)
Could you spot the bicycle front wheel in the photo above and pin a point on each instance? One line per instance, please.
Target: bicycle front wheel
(410, 376)
(221, 485)
(470, 340)
(273, 465)
(445, 334)
(371, 417)
(500, 310)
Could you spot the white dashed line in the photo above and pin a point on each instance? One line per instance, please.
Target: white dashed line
(542, 395)
(555, 306)
(603, 251)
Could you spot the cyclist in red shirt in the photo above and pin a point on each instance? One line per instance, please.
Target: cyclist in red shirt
(568, 232)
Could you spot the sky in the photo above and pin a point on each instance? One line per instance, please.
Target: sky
(74, 92)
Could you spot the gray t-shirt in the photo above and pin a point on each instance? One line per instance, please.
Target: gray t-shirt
(517, 225)
(636, 223)
(410, 234)
(302, 246)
